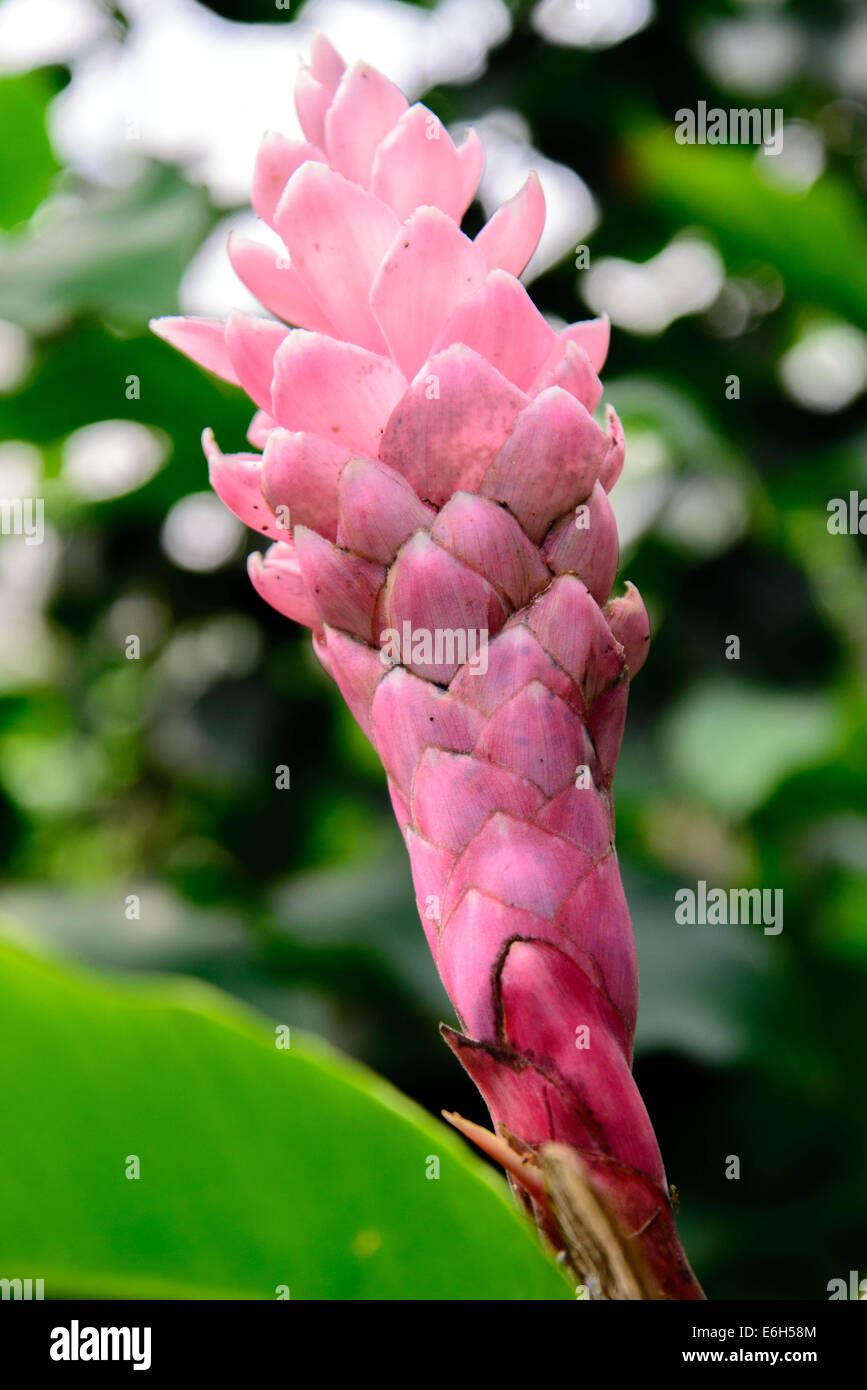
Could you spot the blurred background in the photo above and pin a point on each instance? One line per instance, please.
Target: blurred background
(737, 287)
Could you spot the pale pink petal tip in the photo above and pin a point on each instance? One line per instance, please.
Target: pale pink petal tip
(510, 237)
(365, 108)
(203, 340)
(594, 336)
(276, 577)
(326, 63)
(417, 164)
(237, 481)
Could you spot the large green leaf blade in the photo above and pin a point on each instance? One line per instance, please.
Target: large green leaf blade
(259, 1167)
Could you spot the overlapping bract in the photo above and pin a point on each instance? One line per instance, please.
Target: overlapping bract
(430, 465)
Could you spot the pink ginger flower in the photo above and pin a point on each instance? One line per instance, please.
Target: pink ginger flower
(436, 491)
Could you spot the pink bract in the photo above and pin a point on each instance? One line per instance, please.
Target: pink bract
(431, 474)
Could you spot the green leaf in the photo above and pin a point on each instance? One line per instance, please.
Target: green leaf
(701, 987)
(259, 1167)
(730, 744)
(116, 253)
(816, 240)
(28, 161)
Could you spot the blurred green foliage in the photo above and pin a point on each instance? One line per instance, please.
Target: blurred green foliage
(28, 162)
(246, 1179)
(156, 777)
(815, 241)
(110, 254)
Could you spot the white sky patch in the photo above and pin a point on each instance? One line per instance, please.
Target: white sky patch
(684, 278)
(849, 58)
(756, 54)
(36, 32)
(226, 645)
(137, 613)
(30, 649)
(28, 572)
(729, 315)
(589, 23)
(20, 469)
(416, 48)
(190, 87)
(643, 487)
(704, 513)
(800, 161)
(16, 356)
(112, 457)
(744, 299)
(201, 534)
(827, 369)
(185, 86)
(572, 212)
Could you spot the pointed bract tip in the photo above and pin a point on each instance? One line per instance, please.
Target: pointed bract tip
(498, 1149)
(535, 182)
(325, 61)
